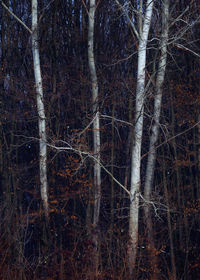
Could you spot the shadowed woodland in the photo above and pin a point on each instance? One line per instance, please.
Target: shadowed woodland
(75, 241)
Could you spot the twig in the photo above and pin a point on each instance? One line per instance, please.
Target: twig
(25, 26)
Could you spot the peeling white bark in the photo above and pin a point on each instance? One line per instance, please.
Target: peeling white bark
(40, 109)
(137, 142)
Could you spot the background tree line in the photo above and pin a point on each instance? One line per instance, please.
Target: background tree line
(120, 85)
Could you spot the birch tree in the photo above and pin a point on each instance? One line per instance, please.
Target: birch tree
(144, 26)
(96, 128)
(40, 101)
(142, 32)
(40, 108)
(155, 128)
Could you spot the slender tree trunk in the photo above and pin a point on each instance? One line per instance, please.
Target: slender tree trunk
(137, 144)
(172, 256)
(178, 180)
(112, 199)
(182, 218)
(96, 131)
(198, 150)
(40, 109)
(154, 135)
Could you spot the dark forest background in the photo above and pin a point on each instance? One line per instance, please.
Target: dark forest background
(31, 249)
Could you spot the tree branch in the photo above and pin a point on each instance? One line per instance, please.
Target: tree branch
(19, 20)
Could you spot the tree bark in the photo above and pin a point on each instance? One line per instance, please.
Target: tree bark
(40, 109)
(137, 141)
(96, 132)
(154, 134)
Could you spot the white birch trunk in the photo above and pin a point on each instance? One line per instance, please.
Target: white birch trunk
(154, 134)
(40, 109)
(137, 144)
(96, 126)
(157, 103)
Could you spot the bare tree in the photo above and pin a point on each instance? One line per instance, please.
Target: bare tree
(155, 127)
(138, 130)
(96, 129)
(141, 32)
(40, 101)
(40, 108)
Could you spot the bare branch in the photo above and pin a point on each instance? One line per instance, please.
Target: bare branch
(180, 46)
(179, 17)
(19, 20)
(128, 18)
(115, 119)
(83, 153)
